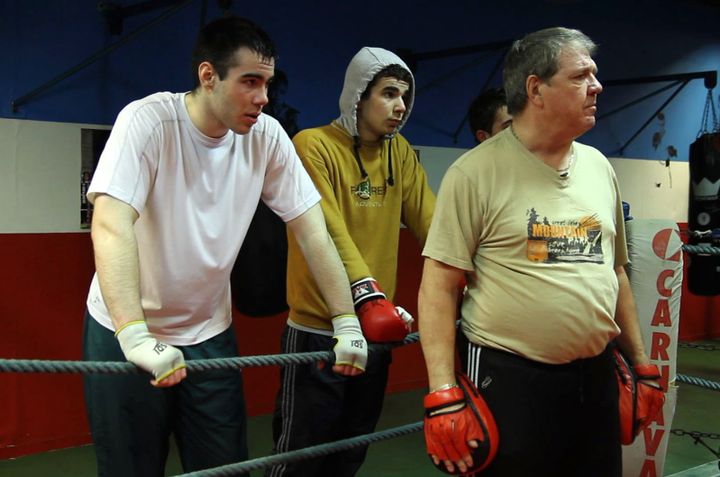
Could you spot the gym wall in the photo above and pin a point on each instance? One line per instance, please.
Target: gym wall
(48, 263)
(47, 256)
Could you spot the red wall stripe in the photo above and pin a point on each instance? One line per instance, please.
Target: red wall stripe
(46, 277)
(44, 287)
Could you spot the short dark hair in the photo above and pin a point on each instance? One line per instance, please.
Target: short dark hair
(538, 54)
(218, 41)
(481, 114)
(390, 71)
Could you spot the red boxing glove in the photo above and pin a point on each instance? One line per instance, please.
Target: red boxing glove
(640, 399)
(381, 322)
(455, 416)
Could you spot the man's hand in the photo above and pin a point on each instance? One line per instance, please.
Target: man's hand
(460, 432)
(350, 346)
(640, 396)
(381, 321)
(650, 394)
(166, 363)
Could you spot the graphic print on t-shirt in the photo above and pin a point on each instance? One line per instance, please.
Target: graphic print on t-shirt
(564, 240)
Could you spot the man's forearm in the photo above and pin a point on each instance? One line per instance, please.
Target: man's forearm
(323, 260)
(437, 310)
(626, 317)
(117, 263)
(328, 271)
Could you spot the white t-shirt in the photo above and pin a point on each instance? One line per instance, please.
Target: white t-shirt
(196, 197)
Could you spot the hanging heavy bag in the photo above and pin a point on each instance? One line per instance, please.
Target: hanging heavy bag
(704, 205)
(258, 277)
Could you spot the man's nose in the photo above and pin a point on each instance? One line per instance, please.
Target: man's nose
(262, 99)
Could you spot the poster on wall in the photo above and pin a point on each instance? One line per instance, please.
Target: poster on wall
(92, 144)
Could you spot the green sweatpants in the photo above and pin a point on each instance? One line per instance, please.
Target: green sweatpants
(131, 421)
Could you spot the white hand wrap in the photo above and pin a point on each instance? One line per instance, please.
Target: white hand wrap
(142, 349)
(350, 345)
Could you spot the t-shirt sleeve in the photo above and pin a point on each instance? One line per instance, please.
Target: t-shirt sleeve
(288, 189)
(129, 161)
(456, 224)
(621, 252)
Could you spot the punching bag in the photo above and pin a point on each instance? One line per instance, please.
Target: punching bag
(704, 207)
(257, 281)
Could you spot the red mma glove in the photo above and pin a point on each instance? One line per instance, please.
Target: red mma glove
(381, 321)
(640, 399)
(454, 417)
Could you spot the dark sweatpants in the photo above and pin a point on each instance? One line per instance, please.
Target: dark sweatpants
(131, 421)
(553, 420)
(315, 406)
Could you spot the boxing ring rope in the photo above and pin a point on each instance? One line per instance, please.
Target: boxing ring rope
(306, 453)
(703, 347)
(123, 367)
(701, 249)
(703, 383)
(199, 365)
(99, 367)
(103, 367)
(698, 436)
(196, 365)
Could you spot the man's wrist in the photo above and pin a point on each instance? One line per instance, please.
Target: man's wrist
(444, 387)
(129, 323)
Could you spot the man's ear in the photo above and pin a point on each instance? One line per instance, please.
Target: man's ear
(481, 135)
(206, 74)
(532, 88)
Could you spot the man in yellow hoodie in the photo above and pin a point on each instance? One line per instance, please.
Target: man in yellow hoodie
(371, 182)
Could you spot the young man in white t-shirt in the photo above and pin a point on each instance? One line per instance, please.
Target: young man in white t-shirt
(174, 193)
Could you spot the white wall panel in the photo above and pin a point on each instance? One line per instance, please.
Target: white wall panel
(40, 176)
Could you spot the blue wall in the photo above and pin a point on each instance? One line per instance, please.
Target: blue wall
(41, 39)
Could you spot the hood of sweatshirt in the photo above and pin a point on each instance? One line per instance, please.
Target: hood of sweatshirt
(361, 70)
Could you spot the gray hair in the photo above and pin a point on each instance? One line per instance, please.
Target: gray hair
(538, 54)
